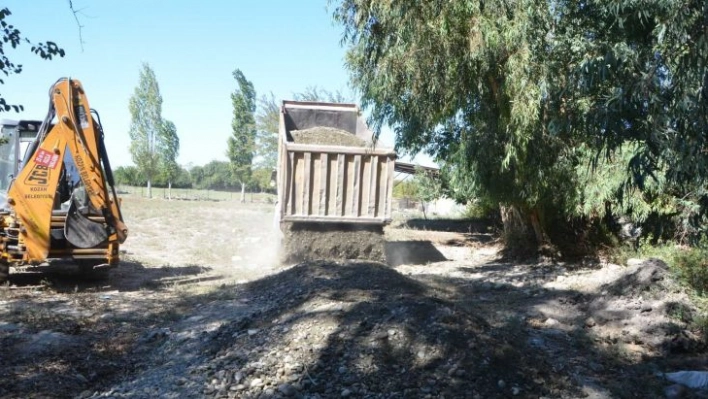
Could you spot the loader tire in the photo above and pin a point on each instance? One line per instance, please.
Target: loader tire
(4, 272)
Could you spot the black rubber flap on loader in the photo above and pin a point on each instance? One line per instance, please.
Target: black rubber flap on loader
(80, 231)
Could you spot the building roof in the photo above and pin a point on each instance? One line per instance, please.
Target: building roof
(411, 169)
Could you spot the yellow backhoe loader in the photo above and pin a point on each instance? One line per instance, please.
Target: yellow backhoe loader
(58, 201)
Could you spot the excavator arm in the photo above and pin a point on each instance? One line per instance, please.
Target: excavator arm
(34, 194)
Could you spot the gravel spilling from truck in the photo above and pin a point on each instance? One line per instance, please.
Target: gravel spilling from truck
(313, 241)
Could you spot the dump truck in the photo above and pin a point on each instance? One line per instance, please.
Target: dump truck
(334, 185)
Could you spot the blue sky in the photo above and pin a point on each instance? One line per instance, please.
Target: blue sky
(282, 46)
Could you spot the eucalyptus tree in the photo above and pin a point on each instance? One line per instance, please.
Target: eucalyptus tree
(638, 72)
(466, 81)
(503, 92)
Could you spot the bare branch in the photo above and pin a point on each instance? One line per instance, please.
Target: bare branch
(78, 23)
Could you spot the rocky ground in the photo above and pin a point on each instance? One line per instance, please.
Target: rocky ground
(447, 317)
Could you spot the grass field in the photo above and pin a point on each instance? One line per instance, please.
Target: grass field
(226, 236)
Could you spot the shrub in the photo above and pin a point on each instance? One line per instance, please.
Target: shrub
(691, 266)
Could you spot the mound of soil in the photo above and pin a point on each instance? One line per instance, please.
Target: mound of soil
(323, 135)
(449, 318)
(313, 241)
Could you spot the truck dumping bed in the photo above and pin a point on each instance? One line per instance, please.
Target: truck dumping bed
(334, 185)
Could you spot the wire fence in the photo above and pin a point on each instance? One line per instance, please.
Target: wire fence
(191, 194)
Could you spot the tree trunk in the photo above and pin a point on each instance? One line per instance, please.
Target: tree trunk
(169, 190)
(149, 189)
(523, 233)
(243, 193)
(538, 232)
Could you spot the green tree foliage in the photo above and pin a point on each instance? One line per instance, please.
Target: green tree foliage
(268, 126)
(169, 143)
(424, 187)
(319, 94)
(464, 81)
(503, 92)
(405, 188)
(12, 38)
(637, 72)
(128, 175)
(639, 92)
(182, 179)
(197, 177)
(216, 175)
(145, 126)
(268, 121)
(261, 180)
(429, 185)
(242, 142)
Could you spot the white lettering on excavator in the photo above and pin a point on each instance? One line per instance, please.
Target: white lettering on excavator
(85, 175)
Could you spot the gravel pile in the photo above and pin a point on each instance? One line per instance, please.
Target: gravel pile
(351, 329)
(478, 328)
(323, 135)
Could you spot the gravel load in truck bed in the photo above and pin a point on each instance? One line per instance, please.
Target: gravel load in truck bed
(323, 135)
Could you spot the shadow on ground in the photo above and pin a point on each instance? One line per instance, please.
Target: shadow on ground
(62, 331)
(65, 277)
(412, 253)
(472, 232)
(364, 330)
(470, 226)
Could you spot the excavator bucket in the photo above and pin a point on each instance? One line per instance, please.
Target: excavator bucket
(81, 231)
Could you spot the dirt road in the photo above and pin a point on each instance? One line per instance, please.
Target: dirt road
(200, 309)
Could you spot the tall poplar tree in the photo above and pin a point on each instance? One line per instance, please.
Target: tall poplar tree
(169, 150)
(145, 125)
(242, 142)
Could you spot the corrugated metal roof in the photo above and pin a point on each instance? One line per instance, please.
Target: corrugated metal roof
(410, 168)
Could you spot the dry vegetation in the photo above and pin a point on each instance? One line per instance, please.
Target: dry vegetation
(200, 309)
